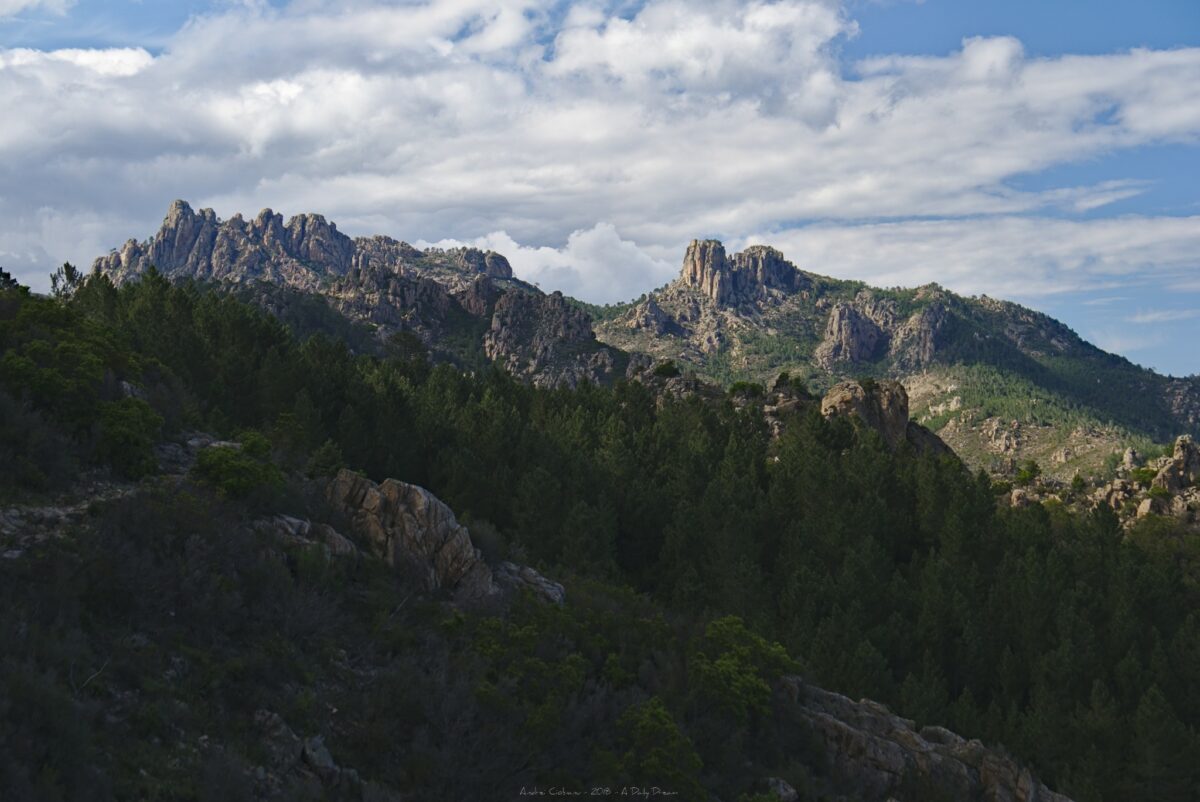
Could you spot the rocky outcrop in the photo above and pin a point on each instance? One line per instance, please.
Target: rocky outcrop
(874, 755)
(479, 298)
(1115, 494)
(298, 253)
(546, 340)
(917, 340)
(651, 317)
(381, 281)
(410, 528)
(302, 253)
(1183, 400)
(747, 276)
(883, 407)
(1183, 470)
(488, 263)
(299, 532)
(386, 298)
(850, 336)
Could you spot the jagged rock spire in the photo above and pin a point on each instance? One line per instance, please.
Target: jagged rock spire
(746, 276)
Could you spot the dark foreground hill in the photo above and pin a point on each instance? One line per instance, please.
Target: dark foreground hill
(198, 603)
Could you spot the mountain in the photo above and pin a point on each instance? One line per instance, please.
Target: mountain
(1000, 383)
(997, 381)
(463, 303)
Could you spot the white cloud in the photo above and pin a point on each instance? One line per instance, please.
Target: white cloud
(595, 264)
(1164, 316)
(446, 119)
(9, 8)
(1009, 257)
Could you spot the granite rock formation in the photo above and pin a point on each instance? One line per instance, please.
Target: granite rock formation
(883, 407)
(746, 277)
(873, 755)
(383, 282)
(1183, 469)
(410, 528)
(537, 336)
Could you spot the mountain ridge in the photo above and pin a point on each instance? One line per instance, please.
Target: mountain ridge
(1000, 382)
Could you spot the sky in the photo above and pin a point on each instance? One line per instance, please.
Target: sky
(1047, 153)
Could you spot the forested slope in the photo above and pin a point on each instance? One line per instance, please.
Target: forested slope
(690, 542)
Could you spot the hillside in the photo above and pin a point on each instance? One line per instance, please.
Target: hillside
(999, 382)
(616, 586)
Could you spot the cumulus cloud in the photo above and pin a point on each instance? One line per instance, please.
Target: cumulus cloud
(595, 264)
(446, 119)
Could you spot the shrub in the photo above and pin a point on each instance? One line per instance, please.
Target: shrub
(128, 429)
(747, 388)
(667, 369)
(237, 472)
(1027, 473)
(1143, 476)
(325, 461)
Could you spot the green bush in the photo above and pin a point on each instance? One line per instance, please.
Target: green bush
(239, 471)
(325, 461)
(128, 430)
(1028, 473)
(747, 388)
(667, 369)
(1143, 476)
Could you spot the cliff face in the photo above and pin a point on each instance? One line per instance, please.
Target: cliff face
(536, 336)
(746, 277)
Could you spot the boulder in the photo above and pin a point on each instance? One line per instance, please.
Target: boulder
(409, 527)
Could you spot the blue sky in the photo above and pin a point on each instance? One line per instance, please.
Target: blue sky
(1041, 151)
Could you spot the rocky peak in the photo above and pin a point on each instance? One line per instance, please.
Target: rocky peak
(747, 276)
(199, 245)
